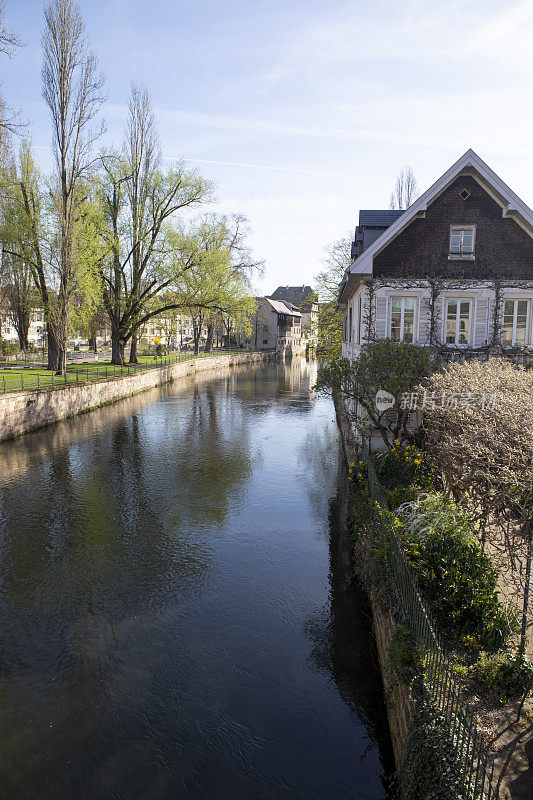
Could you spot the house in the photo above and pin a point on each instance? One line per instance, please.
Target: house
(304, 299)
(36, 330)
(277, 326)
(453, 272)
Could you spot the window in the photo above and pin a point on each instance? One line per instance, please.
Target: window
(457, 321)
(402, 323)
(462, 241)
(350, 326)
(514, 323)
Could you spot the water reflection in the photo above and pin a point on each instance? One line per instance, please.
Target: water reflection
(164, 563)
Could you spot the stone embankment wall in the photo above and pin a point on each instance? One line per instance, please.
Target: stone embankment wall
(25, 411)
(397, 695)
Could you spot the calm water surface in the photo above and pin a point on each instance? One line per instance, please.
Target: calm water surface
(174, 624)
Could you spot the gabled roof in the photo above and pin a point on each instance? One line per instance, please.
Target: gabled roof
(378, 219)
(295, 295)
(471, 163)
(282, 308)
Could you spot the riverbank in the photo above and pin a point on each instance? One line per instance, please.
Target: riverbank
(25, 411)
(438, 713)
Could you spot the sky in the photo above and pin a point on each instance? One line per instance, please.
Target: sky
(304, 111)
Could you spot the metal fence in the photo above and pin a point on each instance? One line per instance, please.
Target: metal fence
(35, 377)
(474, 768)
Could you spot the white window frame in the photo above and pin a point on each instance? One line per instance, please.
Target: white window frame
(403, 298)
(462, 256)
(517, 300)
(458, 300)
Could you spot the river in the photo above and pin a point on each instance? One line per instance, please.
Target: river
(174, 622)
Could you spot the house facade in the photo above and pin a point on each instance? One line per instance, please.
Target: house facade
(276, 326)
(304, 299)
(36, 330)
(453, 272)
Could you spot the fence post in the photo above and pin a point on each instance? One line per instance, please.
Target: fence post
(22, 382)
(52, 379)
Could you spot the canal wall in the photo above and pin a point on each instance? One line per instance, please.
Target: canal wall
(21, 412)
(398, 699)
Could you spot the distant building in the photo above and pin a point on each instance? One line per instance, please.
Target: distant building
(304, 299)
(276, 326)
(36, 331)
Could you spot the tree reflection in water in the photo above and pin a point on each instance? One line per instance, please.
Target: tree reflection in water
(159, 559)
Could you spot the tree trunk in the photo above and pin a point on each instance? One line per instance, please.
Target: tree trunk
(62, 359)
(117, 347)
(53, 348)
(133, 349)
(210, 336)
(93, 346)
(23, 340)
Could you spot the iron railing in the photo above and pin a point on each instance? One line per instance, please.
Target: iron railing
(35, 378)
(472, 764)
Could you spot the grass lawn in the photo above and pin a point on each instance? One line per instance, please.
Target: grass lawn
(15, 378)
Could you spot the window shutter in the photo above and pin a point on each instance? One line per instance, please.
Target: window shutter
(381, 318)
(468, 240)
(424, 319)
(481, 322)
(455, 240)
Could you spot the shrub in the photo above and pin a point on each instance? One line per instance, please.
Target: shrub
(402, 654)
(402, 465)
(9, 348)
(394, 367)
(505, 675)
(455, 575)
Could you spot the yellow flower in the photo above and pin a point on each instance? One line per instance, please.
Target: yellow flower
(396, 442)
(417, 462)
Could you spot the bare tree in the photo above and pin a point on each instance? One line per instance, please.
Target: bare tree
(405, 189)
(72, 89)
(143, 154)
(139, 199)
(8, 40)
(8, 118)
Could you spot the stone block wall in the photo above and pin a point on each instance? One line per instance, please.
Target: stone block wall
(25, 411)
(397, 694)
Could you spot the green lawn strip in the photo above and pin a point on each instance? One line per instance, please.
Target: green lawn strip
(13, 379)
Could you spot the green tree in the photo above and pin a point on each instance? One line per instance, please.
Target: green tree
(393, 367)
(27, 232)
(212, 267)
(72, 90)
(139, 200)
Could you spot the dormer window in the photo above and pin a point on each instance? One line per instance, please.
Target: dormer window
(462, 241)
